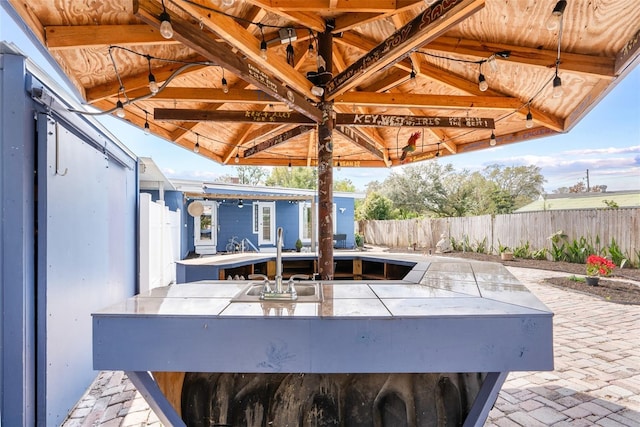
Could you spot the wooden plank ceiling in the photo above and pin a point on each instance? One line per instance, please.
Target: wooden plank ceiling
(397, 67)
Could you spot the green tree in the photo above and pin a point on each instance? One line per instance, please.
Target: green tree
(252, 175)
(344, 185)
(299, 177)
(375, 206)
(522, 184)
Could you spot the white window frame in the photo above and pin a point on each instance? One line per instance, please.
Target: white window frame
(304, 205)
(255, 212)
(272, 229)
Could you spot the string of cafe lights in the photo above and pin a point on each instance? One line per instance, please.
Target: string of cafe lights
(555, 21)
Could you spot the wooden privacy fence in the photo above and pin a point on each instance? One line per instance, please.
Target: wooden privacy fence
(512, 230)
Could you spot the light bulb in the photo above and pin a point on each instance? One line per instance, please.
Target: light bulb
(263, 49)
(166, 30)
(147, 130)
(225, 86)
(237, 159)
(153, 86)
(553, 22)
(412, 78)
(196, 148)
(228, 3)
(529, 122)
(482, 83)
(119, 109)
(240, 204)
(310, 51)
(338, 166)
(493, 64)
(289, 168)
(557, 87)
(492, 140)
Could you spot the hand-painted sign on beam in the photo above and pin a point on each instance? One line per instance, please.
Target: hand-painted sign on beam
(186, 115)
(391, 120)
(354, 136)
(429, 24)
(276, 140)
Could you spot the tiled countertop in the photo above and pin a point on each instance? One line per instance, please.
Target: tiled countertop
(448, 317)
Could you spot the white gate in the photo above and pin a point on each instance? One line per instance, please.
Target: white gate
(159, 243)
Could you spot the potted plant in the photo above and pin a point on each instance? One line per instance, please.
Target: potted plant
(298, 245)
(597, 266)
(359, 239)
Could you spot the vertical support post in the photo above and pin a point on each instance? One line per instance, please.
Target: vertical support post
(157, 401)
(325, 164)
(485, 399)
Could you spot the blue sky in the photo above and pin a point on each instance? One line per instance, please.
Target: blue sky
(606, 142)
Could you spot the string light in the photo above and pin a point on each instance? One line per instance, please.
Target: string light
(553, 22)
(412, 77)
(482, 83)
(529, 121)
(338, 165)
(120, 109)
(240, 204)
(166, 30)
(310, 50)
(557, 87)
(492, 139)
(289, 168)
(147, 130)
(153, 86)
(196, 148)
(438, 150)
(225, 86)
(290, 54)
(493, 64)
(263, 45)
(237, 159)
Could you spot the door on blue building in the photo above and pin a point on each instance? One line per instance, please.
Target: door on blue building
(205, 229)
(266, 223)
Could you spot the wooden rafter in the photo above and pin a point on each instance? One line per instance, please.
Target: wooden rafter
(396, 120)
(411, 100)
(277, 140)
(266, 117)
(306, 19)
(198, 94)
(190, 35)
(425, 27)
(357, 138)
(82, 36)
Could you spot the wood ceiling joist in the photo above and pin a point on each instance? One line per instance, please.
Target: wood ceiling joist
(356, 138)
(59, 37)
(238, 37)
(255, 117)
(277, 140)
(379, 6)
(629, 54)
(308, 20)
(599, 66)
(190, 35)
(411, 100)
(198, 94)
(425, 27)
(138, 81)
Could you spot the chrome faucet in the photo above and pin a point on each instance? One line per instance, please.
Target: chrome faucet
(278, 277)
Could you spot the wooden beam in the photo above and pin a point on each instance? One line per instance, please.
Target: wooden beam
(349, 21)
(423, 28)
(199, 94)
(598, 66)
(309, 20)
(628, 54)
(276, 140)
(364, 44)
(339, 6)
(265, 117)
(393, 120)
(238, 37)
(411, 100)
(357, 138)
(189, 34)
(138, 81)
(83, 36)
(511, 138)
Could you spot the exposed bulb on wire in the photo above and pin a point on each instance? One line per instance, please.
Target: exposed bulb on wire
(482, 83)
(120, 109)
(493, 64)
(289, 168)
(557, 87)
(166, 30)
(412, 79)
(553, 21)
(338, 166)
(237, 159)
(153, 86)
(263, 50)
(147, 130)
(492, 139)
(311, 51)
(225, 86)
(529, 121)
(196, 148)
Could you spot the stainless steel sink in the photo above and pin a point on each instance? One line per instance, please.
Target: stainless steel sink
(306, 292)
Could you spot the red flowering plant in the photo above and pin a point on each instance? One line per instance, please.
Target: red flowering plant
(598, 266)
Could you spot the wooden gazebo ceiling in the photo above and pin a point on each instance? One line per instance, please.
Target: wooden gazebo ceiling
(269, 114)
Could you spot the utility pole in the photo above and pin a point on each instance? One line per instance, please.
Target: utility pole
(588, 188)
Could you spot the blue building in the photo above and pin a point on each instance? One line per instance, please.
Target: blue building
(216, 214)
